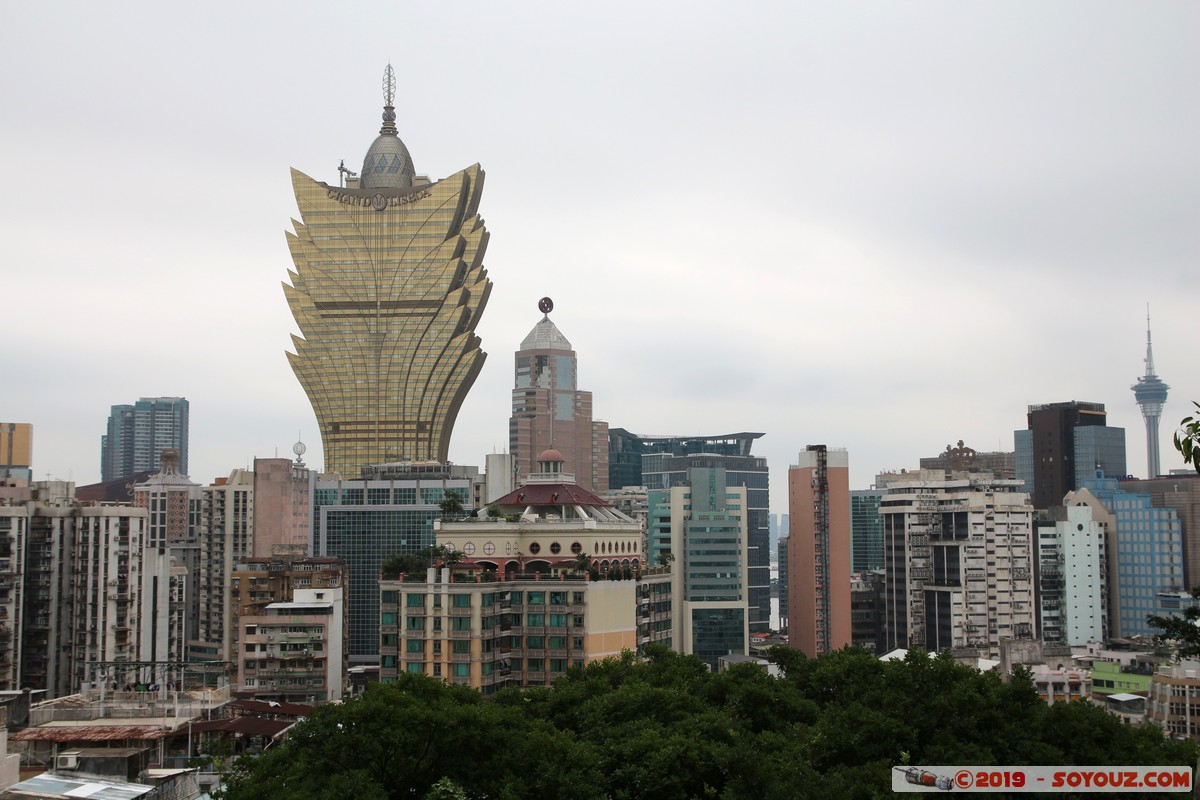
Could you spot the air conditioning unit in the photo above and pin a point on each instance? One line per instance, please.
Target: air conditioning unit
(67, 760)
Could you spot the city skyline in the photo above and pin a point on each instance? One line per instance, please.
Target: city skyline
(741, 209)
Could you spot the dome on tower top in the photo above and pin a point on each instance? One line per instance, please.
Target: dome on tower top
(387, 164)
(550, 455)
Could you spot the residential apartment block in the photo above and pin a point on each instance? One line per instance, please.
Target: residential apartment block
(138, 433)
(517, 630)
(82, 585)
(290, 622)
(294, 651)
(958, 558)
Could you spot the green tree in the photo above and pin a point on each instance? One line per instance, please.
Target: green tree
(1182, 631)
(663, 726)
(451, 505)
(404, 563)
(446, 789)
(447, 556)
(1187, 438)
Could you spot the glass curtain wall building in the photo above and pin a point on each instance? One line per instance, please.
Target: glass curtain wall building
(1149, 555)
(664, 463)
(363, 522)
(1062, 445)
(866, 530)
(387, 290)
(701, 522)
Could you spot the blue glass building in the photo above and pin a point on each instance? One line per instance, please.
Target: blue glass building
(1149, 555)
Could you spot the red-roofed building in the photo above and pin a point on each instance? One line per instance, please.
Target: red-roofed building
(545, 526)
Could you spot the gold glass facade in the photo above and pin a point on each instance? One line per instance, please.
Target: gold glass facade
(16, 444)
(387, 291)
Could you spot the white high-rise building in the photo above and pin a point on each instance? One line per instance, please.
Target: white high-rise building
(226, 539)
(1072, 580)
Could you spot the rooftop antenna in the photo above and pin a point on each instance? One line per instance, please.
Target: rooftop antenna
(344, 174)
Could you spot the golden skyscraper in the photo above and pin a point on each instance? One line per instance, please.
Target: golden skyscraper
(387, 290)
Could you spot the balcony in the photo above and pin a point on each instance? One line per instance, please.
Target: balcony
(460, 634)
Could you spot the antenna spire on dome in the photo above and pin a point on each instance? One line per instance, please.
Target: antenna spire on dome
(389, 85)
(389, 98)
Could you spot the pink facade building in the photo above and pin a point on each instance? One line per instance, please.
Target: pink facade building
(819, 551)
(282, 507)
(550, 413)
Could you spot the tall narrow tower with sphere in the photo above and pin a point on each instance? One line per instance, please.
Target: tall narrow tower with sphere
(1151, 394)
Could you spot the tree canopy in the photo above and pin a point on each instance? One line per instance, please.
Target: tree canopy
(668, 729)
(1187, 439)
(442, 555)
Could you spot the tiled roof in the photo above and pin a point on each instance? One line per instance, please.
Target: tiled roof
(91, 733)
(550, 494)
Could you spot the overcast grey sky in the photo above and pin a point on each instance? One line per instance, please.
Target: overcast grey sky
(879, 226)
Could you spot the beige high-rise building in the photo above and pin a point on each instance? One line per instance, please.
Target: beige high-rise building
(387, 291)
